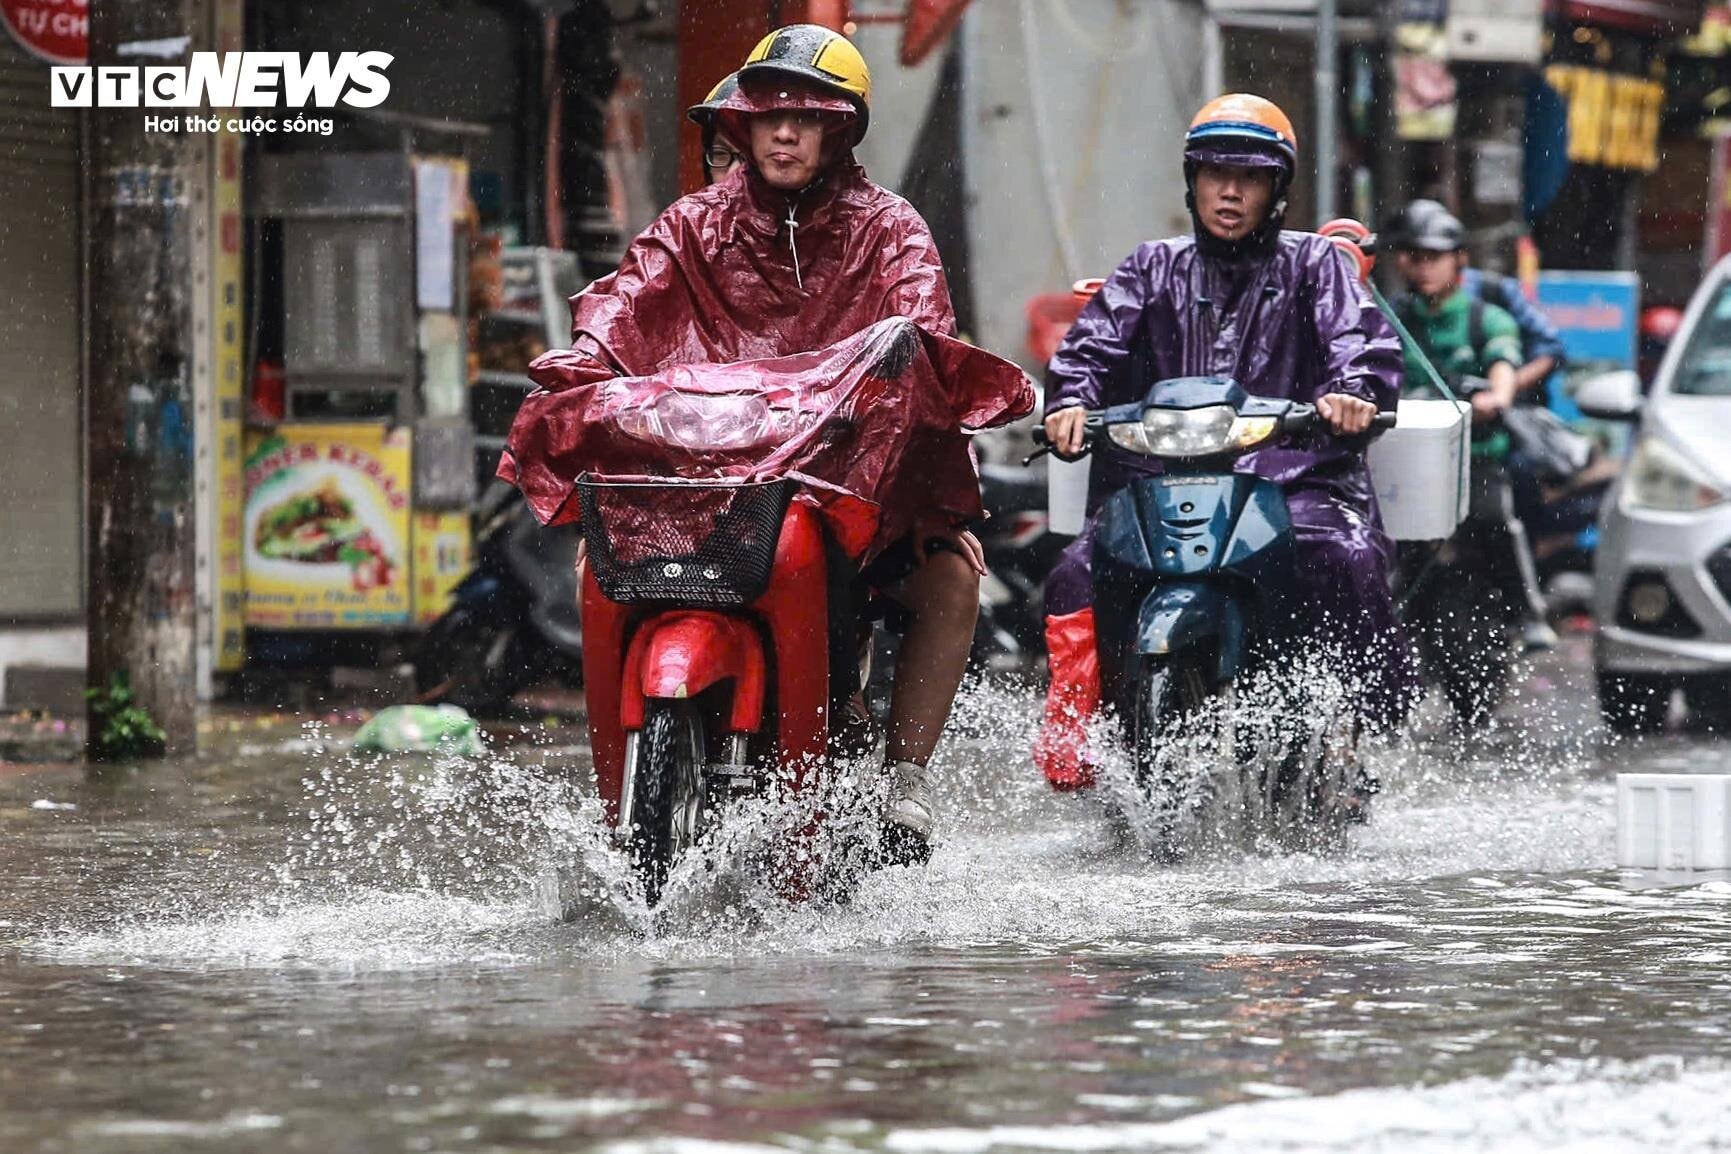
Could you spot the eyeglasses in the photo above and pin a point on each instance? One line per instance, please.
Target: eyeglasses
(720, 157)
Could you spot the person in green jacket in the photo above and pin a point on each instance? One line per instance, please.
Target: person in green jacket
(1476, 348)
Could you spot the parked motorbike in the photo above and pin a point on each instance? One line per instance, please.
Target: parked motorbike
(512, 622)
(720, 640)
(1192, 571)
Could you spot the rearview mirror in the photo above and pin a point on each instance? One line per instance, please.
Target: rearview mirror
(1611, 396)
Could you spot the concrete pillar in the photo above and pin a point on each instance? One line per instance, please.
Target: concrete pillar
(142, 589)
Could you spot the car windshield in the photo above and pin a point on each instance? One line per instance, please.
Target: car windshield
(1705, 367)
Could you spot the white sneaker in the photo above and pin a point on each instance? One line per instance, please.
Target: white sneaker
(908, 820)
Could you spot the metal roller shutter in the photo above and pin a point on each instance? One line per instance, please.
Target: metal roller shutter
(41, 498)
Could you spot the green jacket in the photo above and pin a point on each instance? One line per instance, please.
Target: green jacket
(1462, 337)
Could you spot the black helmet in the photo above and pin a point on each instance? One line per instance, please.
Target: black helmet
(703, 115)
(1427, 226)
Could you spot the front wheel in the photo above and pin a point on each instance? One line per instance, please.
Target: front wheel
(667, 793)
(1170, 754)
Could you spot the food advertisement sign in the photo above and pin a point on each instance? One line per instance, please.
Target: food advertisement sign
(442, 560)
(327, 527)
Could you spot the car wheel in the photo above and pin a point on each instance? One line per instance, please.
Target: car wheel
(1633, 702)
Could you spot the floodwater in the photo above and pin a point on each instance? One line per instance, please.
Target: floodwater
(280, 949)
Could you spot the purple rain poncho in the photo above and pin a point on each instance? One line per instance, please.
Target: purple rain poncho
(1291, 322)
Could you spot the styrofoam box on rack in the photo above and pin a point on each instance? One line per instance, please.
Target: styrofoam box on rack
(1066, 495)
(1674, 821)
(1421, 470)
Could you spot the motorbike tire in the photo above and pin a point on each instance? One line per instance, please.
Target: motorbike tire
(667, 797)
(470, 662)
(1631, 703)
(1169, 695)
(1464, 646)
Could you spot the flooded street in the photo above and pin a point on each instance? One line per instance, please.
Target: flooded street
(280, 949)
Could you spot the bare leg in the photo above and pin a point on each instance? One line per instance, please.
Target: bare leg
(943, 597)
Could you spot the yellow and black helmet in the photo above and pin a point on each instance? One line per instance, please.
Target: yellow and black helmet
(819, 55)
(703, 115)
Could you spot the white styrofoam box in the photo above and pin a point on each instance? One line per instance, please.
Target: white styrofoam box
(1422, 471)
(1496, 31)
(1674, 821)
(1066, 495)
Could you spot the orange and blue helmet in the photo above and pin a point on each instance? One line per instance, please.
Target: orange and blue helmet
(1242, 129)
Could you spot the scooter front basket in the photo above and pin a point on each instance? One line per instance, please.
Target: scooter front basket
(700, 543)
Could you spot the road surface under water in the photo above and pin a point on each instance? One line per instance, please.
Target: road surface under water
(280, 949)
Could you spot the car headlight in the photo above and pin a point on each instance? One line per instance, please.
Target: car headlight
(1662, 479)
(1191, 432)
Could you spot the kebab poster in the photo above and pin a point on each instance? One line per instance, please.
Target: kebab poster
(327, 527)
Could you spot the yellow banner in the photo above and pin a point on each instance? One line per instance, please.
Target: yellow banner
(442, 560)
(1613, 117)
(326, 527)
(229, 603)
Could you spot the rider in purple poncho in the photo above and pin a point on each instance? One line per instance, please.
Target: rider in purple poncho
(1280, 313)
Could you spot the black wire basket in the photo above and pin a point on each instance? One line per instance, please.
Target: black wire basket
(687, 543)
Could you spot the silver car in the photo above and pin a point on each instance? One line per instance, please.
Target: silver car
(1663, 588)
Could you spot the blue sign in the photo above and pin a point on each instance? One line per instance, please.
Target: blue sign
(1596, 314)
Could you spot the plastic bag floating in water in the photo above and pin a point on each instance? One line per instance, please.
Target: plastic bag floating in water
(420, 729)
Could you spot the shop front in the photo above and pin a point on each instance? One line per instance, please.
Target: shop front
(41, 399)
(1594, 126)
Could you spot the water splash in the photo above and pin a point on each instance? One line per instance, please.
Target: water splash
(411, 861)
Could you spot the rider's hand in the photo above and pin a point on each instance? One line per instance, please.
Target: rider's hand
(1064, 430)
(1487, 406)
(938, 527)
(1346, 414)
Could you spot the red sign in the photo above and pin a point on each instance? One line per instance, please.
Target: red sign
(927, 24)
(1642, 17)
(58, 31)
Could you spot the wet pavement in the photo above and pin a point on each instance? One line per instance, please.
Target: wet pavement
(277, 948)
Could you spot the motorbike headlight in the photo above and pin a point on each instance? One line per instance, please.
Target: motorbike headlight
(1663, 480)
(1189, 432)
(1203, 432)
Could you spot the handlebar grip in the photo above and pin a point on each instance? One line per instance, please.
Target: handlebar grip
(1385, 420)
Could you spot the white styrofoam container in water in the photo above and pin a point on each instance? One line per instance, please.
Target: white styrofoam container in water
(1421, 469)
(1066, 495)
(1674, 821)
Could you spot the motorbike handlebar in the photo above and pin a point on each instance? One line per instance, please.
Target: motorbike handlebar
(1303, 419)
(1299, 421)
(1092, 427)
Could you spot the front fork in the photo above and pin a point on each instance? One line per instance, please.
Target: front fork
(737, 771)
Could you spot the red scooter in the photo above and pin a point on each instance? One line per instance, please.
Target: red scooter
(717, 643)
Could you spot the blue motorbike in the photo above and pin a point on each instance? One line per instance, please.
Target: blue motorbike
(1193, 573)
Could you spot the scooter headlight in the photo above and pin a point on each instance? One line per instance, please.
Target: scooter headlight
(1191, 432)
(1203, 432)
